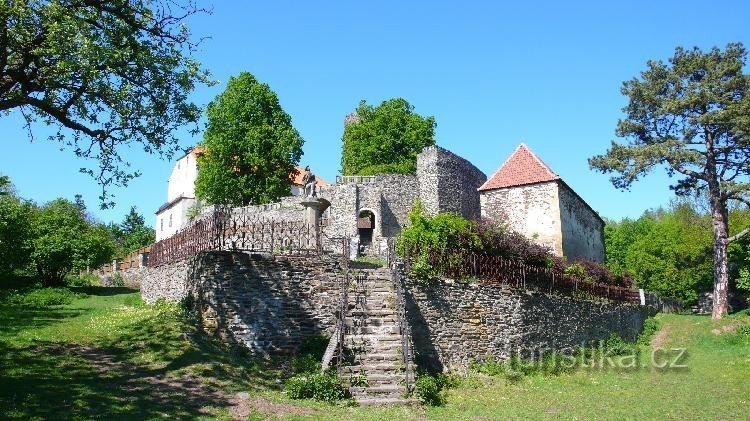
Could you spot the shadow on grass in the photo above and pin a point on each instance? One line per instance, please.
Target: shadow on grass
(161, 367)
(15, 319)
(103, 291)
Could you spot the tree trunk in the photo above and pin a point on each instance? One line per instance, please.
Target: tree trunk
(721, 264)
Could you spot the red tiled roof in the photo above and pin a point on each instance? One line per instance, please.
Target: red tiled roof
(522, 167)
(299, 172)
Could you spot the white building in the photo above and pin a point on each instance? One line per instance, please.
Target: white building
(172, 216)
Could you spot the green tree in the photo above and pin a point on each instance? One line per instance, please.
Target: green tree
(109, 74)
(15, 234)
(666, 251)
(385, 139)
(64, 241)
(251, 146)
(132, 234)
(691, 116)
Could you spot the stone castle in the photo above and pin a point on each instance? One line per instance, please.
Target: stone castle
(382, 324)
(524, 194)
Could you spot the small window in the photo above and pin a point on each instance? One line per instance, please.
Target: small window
(170, 220)
(161, 226)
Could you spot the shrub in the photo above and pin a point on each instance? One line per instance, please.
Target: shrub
(650, 327)
(319, 386)
(441, 244)
(85, 280)
(489, 366)
(117, 280)
(615, 345)
(43, 297)
(428, 390)
(306, 364)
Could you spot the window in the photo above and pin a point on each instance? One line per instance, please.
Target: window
(161, 224)
(170, 220)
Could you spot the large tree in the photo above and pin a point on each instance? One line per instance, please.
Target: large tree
(16, 233)
(108, 74)
(385, 139)
(692, 117)
(251, 147)
(64, 240)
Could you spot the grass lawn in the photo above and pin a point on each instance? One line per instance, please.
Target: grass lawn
(102, 353)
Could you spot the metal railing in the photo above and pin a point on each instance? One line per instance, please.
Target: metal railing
(494, 270)
(225, 230)
(407, 351)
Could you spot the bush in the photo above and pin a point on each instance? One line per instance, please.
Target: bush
(489, 366)
(650, 327)
(319, 386)
(85, 280)
(306, 364)
(442, 244)
(428, 390)
(117, 280)
(615, 345)
(43, 297)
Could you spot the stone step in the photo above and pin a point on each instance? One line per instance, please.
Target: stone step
(368, 330)
(387, 401)
(375, 379)
(382, 367)
(371, 321)
(395, 391)
(372, 312)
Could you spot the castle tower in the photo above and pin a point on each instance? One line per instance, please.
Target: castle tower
(528, 197)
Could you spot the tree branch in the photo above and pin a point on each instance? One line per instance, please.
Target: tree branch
(738, 235)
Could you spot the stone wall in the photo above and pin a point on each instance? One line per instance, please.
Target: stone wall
(582, 228)
(532, 210)
(269, 304)
(389, 197)
(131, 278)
(448, 183)
(456, 322)
(168, 282)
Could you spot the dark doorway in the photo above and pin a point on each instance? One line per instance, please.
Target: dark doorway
(365, 227)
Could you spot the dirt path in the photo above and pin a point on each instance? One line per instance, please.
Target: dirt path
(660, 338)
(186, 394)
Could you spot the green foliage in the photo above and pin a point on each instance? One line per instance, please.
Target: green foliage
(429, 390)
(310, 354)
(16, 234)
(251, 146)
(449, 234)
(689, 116)
(666, 251)
(64, 240)
(132, 233)
(42, 298)
(109, 75)
(319, 386)
(385, 139)
(83, 280)
(442, 244)
(650, 326)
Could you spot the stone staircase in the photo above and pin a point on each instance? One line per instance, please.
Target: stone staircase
(375, 366)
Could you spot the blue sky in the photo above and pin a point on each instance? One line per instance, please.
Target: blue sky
(493, 74)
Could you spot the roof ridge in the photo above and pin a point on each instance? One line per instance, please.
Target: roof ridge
(523, 166)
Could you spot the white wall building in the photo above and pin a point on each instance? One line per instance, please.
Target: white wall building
(172, 216)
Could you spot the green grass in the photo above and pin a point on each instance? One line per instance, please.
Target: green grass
(105, 354)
